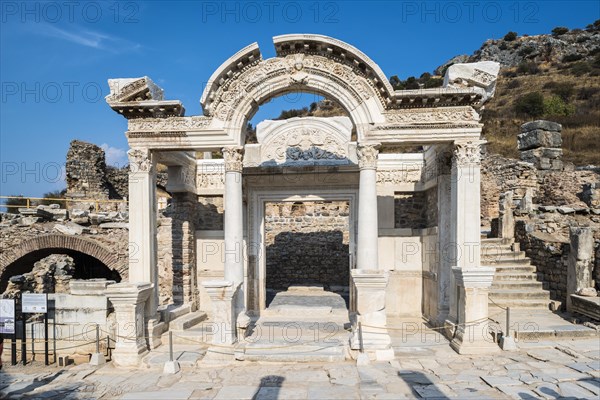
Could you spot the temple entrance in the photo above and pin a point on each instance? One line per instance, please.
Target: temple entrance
(307, 246)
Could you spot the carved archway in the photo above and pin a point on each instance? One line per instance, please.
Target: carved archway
(304, 63)
(63, 242)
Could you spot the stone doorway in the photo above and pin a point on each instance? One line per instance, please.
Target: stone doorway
(307, 244)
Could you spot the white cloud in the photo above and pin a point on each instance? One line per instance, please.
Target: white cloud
(87, 38)
(115, 156)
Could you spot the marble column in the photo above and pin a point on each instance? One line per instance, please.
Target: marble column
(234, 218)
(471, 281)
(227, 296)
(369, 282)
(367, 254)
(128, 300)
(445, 242)
(142, 223)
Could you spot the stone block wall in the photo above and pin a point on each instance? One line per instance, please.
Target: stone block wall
(549, 254)
(540, 144)
(500, 175)
(176, 251)
(416, 210)
(307, 242)
(86, 171)
(210, 213)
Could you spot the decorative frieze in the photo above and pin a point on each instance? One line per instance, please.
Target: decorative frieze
(233, 156)
(399, 176)
(433, 115)
(211, 179)
(367, 155)
(164, 125)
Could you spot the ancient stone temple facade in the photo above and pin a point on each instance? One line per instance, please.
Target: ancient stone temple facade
(400, 231)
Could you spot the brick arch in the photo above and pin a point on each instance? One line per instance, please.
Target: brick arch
(55, 241)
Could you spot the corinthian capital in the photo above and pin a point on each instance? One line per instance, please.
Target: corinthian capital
(467, 153)
(234, 156)
(367, 155)
(140, 160)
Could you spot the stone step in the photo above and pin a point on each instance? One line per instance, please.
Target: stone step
(174, 311)
(504, 294)
(510, 261)
(517, 284)
(496, 242)
(187, 321)
(281, 351)
(517, 276)
(493, 252)
(501, 268)
(514, 303)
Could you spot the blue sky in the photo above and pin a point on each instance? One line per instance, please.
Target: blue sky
(55, 58)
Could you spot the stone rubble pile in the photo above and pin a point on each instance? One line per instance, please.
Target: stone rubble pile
(49, 275)
(74, 222)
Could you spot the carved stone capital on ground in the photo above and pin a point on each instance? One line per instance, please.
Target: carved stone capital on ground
(367, 155)
(234, 157)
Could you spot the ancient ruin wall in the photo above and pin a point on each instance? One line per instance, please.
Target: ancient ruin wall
(210, 213)
(307, 242)
(416, 210)
(549, 255)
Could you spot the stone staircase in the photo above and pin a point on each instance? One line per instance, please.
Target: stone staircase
(188, 327)
(516, 282)
(301, 325)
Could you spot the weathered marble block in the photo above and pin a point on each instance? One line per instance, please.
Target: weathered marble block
(539, 138)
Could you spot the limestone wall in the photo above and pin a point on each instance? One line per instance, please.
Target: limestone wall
(307, 242)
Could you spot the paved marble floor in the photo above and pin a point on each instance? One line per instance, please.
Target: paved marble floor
(549, 369)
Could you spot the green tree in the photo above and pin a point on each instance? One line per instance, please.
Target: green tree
(57, 194)
(531, 104)
(14, 203)
(510, 36)
(559, 30)
(556, 106)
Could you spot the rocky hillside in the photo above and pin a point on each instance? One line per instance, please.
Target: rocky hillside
(554, 76)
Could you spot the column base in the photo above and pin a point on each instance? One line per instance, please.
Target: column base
(223, 295)
(473, 341)
(129, 357)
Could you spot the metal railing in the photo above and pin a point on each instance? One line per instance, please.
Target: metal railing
(32, 202)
